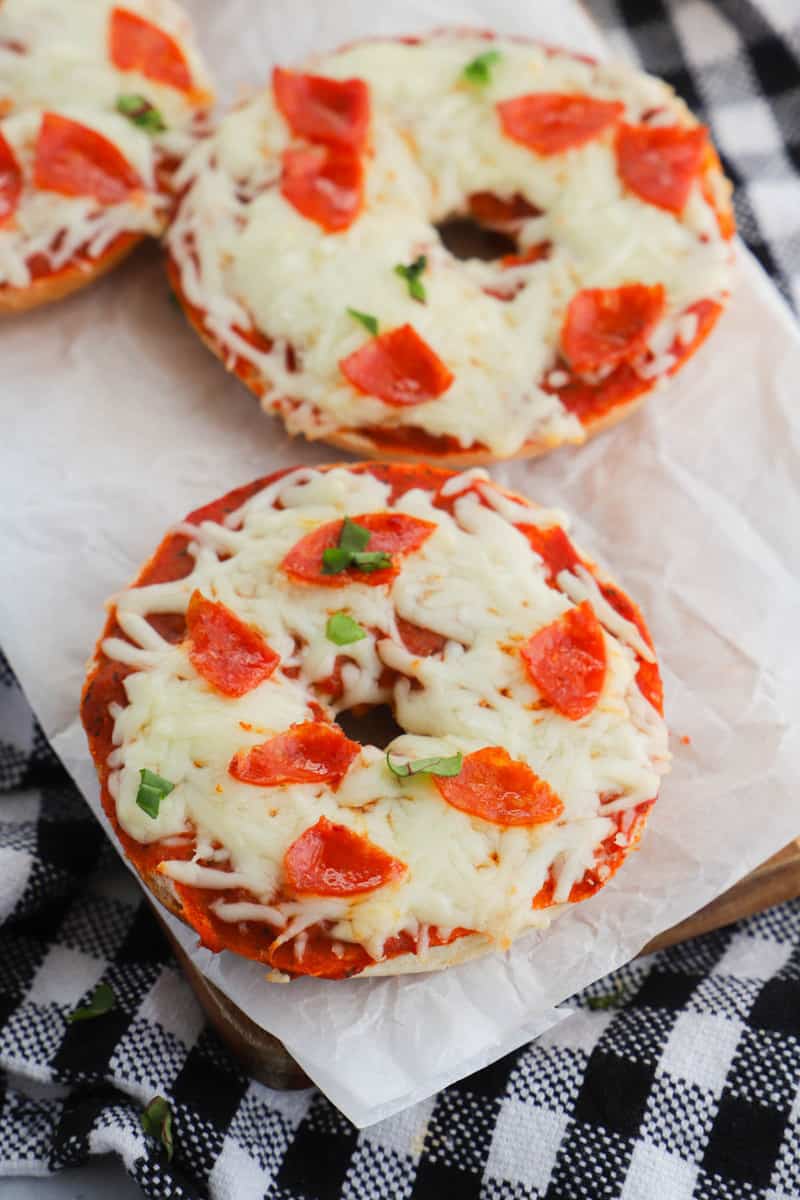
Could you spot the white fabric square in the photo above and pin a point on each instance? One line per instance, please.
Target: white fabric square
(700, 1049)
(65, 977)
(405, 1132)
(525, 1143)
(747, 127)
(654, 1172)
(775, 205)
(15, 867)
(753, 957)
(235, 1173)
(171, 1002)
(581, 1031)
(706, 36)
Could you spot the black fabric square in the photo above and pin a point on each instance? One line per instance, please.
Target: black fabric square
(318, 1158)
(745, 1141)
(435, 1180)
(778, 1007)
(591, 1163)
(665, 989)
(87, 1046)
(777, 69)
(210, 1082)
(145, 940)
(460, 1130)
(491, 1082)
(614, 1093)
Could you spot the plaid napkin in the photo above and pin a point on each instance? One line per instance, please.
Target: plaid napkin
(678, 1077)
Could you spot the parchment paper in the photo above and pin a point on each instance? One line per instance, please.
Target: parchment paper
(117, 422)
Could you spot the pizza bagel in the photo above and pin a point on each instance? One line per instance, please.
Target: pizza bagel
(307, 254)
(97, 113)
(224, 705)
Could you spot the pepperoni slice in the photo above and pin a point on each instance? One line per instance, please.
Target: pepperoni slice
(10, 181)
(552, 122)
(334, 111)
(137, 45)
(498, 213)
(566, 661)
(231, 656)
(312, 752)
(648, 676)
(591, 401)
(77, 161)
(398, 367)
(497, 788)
(554, 547)
(660, 163)
(606, 326)
(331, 860)
(419, 641)
(325, 185)
(392, 532)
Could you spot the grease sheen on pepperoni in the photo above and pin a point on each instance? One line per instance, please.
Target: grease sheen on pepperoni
(394, 533)
(399, 367)
(566, 661)
(606, 326)
(552, 122)
(331, 860)
(74, 160)
(311, 752)
(10, 181)
(136, 44)
(334, 111)
(233, 657)
(325, 185)
(660, 163)
(497, 788)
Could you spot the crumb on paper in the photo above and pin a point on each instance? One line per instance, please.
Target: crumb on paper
(278, 977)
(685, 740)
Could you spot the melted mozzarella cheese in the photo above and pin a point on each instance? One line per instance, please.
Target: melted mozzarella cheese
(477, 582)
(247, 257)
(48, 63)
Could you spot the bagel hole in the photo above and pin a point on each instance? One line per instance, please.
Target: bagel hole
(374, 726)
(465, 238)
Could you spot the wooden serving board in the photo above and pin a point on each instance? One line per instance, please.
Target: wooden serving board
(265, 1059)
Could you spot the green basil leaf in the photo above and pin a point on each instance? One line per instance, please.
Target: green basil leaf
(152, 791)
(479, 71)
(369, 322)
(353, 537)
(445, 766)
(157, 1121)
(334, 560)
(100, 1002)
(141, 112)
(411, 274)
(613, 999)
(343, 630)
(371, 560)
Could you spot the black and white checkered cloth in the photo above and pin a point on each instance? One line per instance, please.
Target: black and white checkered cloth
(689, 1087)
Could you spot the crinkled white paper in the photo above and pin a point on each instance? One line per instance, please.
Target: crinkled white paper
(117, 421)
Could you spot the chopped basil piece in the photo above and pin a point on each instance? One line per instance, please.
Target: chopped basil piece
(152, 791)
(613, 999)
(157, 1121)
(479, 71)
(343, 630)
(438, 765)
(100, 1002)
(411, 274)
(369, 322)
(353, 537)
(351, 553)
(141, 112)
